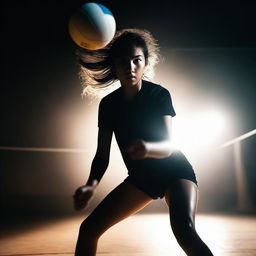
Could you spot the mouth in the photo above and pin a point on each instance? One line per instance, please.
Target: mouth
(131, 77)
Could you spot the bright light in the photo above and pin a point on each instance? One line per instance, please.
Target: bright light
(198, 131)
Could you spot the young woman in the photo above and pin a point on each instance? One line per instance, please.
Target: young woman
(140, 114)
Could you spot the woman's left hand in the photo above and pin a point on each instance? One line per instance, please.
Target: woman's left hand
(138, 149)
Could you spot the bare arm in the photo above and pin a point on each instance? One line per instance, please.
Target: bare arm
(163, 148)
(140, 149)
(101, 158)
(99, 165)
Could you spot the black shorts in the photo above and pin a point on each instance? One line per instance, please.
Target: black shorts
(178, 168)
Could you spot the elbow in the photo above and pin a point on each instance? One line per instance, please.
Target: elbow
(167, 149)
(171, 148)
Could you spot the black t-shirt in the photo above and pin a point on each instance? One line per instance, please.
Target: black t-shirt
(139, 118)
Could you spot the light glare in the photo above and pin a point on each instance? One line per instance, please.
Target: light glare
(198, 131)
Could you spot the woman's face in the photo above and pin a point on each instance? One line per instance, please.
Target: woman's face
(129, 69)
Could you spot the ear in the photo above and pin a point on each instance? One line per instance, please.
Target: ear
(113, 70)
(145, 71)
(112, 66)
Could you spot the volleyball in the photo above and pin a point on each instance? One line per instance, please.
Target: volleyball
(92, 26)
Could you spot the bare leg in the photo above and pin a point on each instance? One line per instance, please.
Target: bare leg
(120, 203)
(181, 198)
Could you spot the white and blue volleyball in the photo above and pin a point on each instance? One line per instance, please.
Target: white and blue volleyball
(92, 26)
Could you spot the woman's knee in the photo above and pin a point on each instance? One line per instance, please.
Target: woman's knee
(183, 227)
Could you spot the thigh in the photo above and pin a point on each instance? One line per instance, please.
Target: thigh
(181, 197)
(120, 203)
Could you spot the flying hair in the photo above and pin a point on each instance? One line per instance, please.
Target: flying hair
(96, 66)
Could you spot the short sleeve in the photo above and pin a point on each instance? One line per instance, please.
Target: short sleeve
(104, 115)
(164, 103)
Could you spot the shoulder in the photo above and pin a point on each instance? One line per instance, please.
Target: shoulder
(160, 99)
(154, 89)
(111, 98)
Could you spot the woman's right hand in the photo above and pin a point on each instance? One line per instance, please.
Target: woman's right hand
(83, 195)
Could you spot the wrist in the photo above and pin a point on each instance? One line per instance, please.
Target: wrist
(92, 183)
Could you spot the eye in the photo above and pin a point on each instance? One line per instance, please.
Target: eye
(137, 60)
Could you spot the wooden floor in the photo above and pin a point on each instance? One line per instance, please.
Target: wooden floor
(140, 234)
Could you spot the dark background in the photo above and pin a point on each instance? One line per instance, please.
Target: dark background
(40, 88)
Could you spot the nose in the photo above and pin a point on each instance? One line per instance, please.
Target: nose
(130, 66)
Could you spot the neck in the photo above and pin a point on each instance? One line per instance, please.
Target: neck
(131, 91)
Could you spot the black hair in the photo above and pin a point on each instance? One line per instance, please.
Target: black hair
(96, 66)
